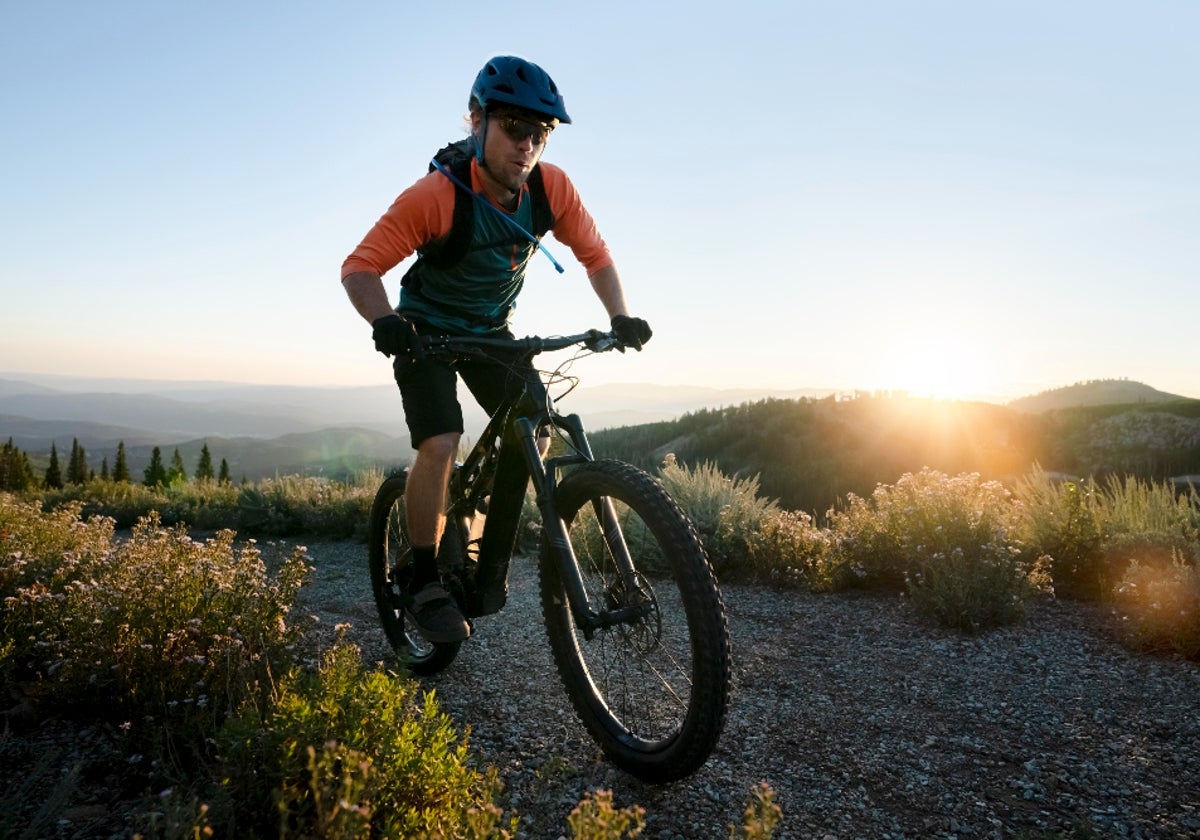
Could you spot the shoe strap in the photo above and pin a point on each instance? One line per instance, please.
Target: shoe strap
(430, 594)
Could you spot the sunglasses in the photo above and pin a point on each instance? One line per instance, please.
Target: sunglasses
(518, 129)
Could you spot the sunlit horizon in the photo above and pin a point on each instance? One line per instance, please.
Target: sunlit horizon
(938, 381)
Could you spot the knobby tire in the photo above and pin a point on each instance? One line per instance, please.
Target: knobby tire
(653, 692)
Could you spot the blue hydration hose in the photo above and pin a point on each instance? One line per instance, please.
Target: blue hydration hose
(499, 212)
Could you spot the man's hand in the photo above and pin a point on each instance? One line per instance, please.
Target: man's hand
(394, 336)
(632, 332)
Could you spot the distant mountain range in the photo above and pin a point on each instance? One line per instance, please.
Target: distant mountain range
(262, 431)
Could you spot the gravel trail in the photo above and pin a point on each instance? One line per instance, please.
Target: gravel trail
(865, 721)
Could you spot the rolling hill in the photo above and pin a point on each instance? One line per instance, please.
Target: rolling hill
(1093, 393)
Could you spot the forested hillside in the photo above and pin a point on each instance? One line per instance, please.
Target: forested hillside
(809, 453)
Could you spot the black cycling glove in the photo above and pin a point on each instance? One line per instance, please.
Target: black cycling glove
(632, 332)
(394, 336)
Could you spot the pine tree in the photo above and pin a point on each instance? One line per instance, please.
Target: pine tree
(8, 461)
(155, 474)
(77, 468)
(104, 468)
(15, 474)
(53, 480)
(121, 467)
(178, 472)
(223, 475)
(27, 471)
(204, 469)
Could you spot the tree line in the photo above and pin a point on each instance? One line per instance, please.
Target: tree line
(17, 474)
(809, 453)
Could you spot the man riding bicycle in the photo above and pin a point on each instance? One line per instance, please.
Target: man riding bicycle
(514, 106)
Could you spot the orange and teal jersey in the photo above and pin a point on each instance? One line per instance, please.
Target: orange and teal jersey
(478, 293)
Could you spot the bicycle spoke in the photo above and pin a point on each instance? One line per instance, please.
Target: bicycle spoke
(634, 666)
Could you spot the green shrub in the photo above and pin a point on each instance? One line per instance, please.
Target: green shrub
(345, 752)
(123, 502)
(728, 512)
(945, 540)
(278, 507)
(761, 817)
(1148, 522)
(1090, 534)
(1159, 607)
(866, 546)
(1061, 521)
(789, 550)
(45, 559)
(595, 818)
(204, 505)
(159, 633)
(308, 505)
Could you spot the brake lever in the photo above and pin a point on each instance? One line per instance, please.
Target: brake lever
(598, 342)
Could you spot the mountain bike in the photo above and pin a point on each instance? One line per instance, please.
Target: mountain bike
(635, 619)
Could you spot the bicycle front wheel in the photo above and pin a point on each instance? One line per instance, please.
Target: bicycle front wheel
(653, 688)
(390, 558)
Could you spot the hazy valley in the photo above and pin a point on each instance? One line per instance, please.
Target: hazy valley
(264, 430)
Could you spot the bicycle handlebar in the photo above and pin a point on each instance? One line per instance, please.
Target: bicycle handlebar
(439, 345)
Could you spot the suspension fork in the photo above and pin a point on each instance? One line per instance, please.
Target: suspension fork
(544, 474)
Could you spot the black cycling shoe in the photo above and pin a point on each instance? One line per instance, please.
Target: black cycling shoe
(435, 616)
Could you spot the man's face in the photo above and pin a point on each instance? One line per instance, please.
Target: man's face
(514, 142)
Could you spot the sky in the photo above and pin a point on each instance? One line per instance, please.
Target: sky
(971, 200)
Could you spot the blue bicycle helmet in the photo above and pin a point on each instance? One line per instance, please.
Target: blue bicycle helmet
(509, 80)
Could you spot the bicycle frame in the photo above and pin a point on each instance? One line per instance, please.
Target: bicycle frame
(500, 467)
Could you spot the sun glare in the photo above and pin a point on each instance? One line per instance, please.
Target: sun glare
(951, 370)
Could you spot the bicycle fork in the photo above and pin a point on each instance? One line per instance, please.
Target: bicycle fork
(543, 475)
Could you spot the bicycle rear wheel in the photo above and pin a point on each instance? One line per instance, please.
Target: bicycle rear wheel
(389, 556)
(652, 690)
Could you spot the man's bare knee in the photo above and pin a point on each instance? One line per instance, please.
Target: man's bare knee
(439, 447)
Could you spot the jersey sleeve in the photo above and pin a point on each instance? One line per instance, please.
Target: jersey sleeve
(421, 214)
(573, 225)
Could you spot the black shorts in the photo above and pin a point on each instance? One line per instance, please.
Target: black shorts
(429, 390)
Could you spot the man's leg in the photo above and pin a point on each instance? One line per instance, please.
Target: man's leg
(435, 423)
(425, 494)
(432, 609)
(434, 417)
